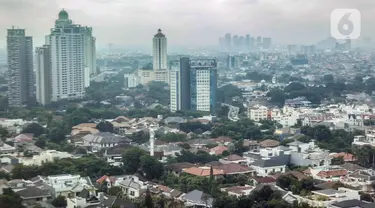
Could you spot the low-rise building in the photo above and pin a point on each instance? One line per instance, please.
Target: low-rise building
(133, 187)
(45, 156)
(257, 113)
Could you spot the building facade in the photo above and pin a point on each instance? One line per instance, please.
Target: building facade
(131, 80)
(193, 84)
(43, 74)
(69, 57)
(20, 67)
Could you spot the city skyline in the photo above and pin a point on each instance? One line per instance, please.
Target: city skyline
(131, 23)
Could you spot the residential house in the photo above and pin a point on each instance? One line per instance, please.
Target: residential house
(308, 154)
(362, 179)
(174, 122)
(352, 203)
(197, 198)
(6, 149)
(113, 155)
(347, 157)
(233, 159)
(99, 201)
(68, 185)
(22, 138)
(102, 140)
(264, 167)
(218, 150)
(268, 180)
(178, 168)
(204, 171)
(238, 191)
(251, 144)
(328, 197)
(133, 187)
(329, 173)
(222, 140)
(31, 195)
(269, 143)
(45, 156)
(295, 174)
(235, 169)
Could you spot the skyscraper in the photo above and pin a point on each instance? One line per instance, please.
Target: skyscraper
(193, 84)
(160, 64)
(159, 51)
(247, 41)
(90, 52)
(235, 41)
(267, 43)
(72, 55)
(20, 67)
(228, 42)
(43, 74)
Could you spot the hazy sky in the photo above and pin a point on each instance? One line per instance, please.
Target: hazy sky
(185, 22)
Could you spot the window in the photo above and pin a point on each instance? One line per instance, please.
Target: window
(132, 193)
(265, 170)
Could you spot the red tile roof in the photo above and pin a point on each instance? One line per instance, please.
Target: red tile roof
(234, 158)
(265, 179)
(332, 173)
(219, 150)
(203, 171)
(269, 143)
(233, 168)
(222, 139)
(347, 156)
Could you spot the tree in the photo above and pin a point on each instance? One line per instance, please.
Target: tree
(105, 126)
(59, 202)
(10, 199)
(337, 160)
(151, 167)
(3, 133)
(226, 153)
(114, 191)
(284, 182)
(148, 203)
(132, 160)
(34, 128)
(40, 143)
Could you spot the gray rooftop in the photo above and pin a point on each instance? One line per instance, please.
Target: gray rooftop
(103, 138)
(199, 197)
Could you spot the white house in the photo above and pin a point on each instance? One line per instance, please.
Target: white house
(264, 167)
(67, 184)
(45, 156)
(132, 187)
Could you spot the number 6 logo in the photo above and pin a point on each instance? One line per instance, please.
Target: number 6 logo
(345, 24)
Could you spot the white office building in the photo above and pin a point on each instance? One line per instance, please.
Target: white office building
(70, 65)
(193, 84)
(20, 67)
(43, 74)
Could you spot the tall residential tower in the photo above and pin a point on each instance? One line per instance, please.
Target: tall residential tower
(20, 67)
(159, 54)
(72, 56)
(160, 51)
(43, 74)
